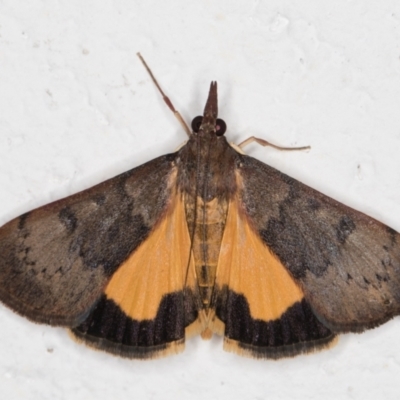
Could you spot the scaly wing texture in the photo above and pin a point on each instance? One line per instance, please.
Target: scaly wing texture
(150, 301)
(258, 306)
(56, 260)
(346, 263)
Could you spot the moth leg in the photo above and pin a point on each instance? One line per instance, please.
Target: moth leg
(265, 143)
(168, 102)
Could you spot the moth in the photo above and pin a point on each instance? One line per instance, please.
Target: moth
(205, 240)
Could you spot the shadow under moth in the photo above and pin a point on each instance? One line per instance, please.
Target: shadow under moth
(200, 241)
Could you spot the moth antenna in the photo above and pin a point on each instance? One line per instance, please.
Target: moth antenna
(166, 98)
(265, 143)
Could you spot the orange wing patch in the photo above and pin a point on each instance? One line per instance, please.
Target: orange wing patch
(247, 267)
(161, 265)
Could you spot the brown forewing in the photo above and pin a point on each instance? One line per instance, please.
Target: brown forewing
(56, 260)
(347, 263)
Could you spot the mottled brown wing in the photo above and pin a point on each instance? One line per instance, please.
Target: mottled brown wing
(56, 260)
(346, 263)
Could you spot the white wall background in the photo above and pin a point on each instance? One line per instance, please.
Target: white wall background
(77, 107)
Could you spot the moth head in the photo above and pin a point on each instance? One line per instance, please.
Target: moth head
(209, 123)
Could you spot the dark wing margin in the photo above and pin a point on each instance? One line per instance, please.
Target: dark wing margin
(110, 329)
(56, 260)
(297, 331)
(346, 263)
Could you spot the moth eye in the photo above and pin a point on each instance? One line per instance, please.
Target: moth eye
(196, 123)
(220, 127)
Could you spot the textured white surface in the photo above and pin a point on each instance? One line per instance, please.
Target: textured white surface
(76, 107)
